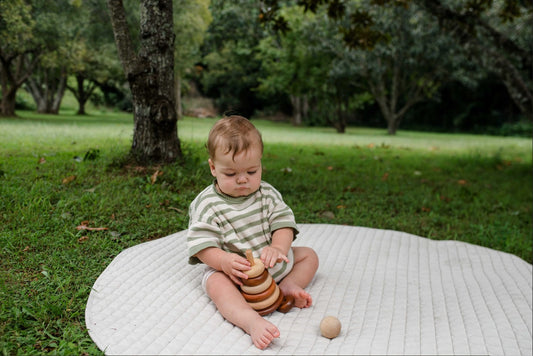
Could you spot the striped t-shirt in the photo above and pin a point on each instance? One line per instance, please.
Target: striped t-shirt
(237, 224)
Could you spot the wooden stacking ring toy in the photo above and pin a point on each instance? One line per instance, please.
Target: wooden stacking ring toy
(260, 290)
(253, 298)
(252, 282)
(257, 268)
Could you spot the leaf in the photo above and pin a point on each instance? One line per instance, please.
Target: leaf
(385, 176)
(41, 160)
(176, 209)
(426, 209)
(68, 179)
(83, 239)
(462, 182)
(153, 177)
(84, 226)
(370, 145)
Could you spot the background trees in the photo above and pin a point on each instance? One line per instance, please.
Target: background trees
(439, 65)
(19, 50)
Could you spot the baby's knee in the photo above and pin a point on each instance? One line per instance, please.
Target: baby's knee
(309, 256)
(215, 282)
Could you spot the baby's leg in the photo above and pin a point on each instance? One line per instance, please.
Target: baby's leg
(303, 271)
(231, 304)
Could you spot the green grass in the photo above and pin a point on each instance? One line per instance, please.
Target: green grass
(470, 188)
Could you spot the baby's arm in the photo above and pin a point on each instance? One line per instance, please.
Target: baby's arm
(227, 262)
(278, 250)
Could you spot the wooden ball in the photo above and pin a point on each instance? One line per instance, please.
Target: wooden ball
(330, 327)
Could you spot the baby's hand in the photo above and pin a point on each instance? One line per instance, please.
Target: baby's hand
(271, 255)
(233, 265)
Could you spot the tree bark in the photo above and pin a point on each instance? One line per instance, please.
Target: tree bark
(47, 89)
(81, 92)
(150, 73)
(179, 109)
(14, 71)
(296, 102)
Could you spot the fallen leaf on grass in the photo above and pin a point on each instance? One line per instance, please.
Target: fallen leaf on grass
(68, 179)
(41, 160)
(83, 239)
(176, 209)
(445, 198)
(26, 249)
(385, 177)
(84, 226)
(153, 177)
(370, 145)
(462, 182)
(427, 210)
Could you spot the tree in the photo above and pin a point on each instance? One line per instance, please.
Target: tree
(498, 36)
(231, 68)
(291, 64)
(91, 54)
(190, 25)
(19, 51)
(410, 66)
(149, 71)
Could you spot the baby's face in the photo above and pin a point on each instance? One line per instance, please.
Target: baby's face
(240, 175)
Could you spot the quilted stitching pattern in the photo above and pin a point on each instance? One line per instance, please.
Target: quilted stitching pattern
(393, 292)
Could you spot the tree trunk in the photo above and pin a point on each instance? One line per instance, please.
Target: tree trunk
(8, 102)
(179, 109)
(81, 92)
(14, 71)
(47, 90)
(150, 74)
(296, 102)
(393, 123)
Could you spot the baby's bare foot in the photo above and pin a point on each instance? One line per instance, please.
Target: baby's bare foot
(302, 299)
(263, 332)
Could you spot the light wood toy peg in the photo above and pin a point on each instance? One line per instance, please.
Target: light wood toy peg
(261, 291)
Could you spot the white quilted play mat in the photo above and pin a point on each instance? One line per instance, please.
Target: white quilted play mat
(393, 292)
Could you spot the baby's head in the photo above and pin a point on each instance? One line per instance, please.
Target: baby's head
(233, 134)
(235, 151)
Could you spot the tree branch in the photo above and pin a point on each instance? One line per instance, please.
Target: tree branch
(122, 34)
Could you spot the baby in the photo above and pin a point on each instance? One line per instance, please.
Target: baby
(238, 212)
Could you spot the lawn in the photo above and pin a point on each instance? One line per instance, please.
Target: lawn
(69, 203)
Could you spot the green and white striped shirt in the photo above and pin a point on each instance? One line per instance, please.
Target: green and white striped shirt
(237, 224)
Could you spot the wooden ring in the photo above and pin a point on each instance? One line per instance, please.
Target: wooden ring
(259, 288)
(253, 298)
(286, 304)
(256, 270)
(256, 280)
(267, 302)
(271, 308)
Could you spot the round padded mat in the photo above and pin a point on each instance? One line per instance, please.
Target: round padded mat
(393, 292)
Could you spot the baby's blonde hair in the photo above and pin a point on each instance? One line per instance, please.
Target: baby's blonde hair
(233, 134)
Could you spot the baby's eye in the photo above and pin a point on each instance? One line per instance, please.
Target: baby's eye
(252, 173)
(229, 174)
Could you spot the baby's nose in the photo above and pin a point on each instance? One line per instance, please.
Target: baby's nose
(241, 179)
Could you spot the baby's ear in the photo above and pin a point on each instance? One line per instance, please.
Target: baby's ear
(212, 167)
